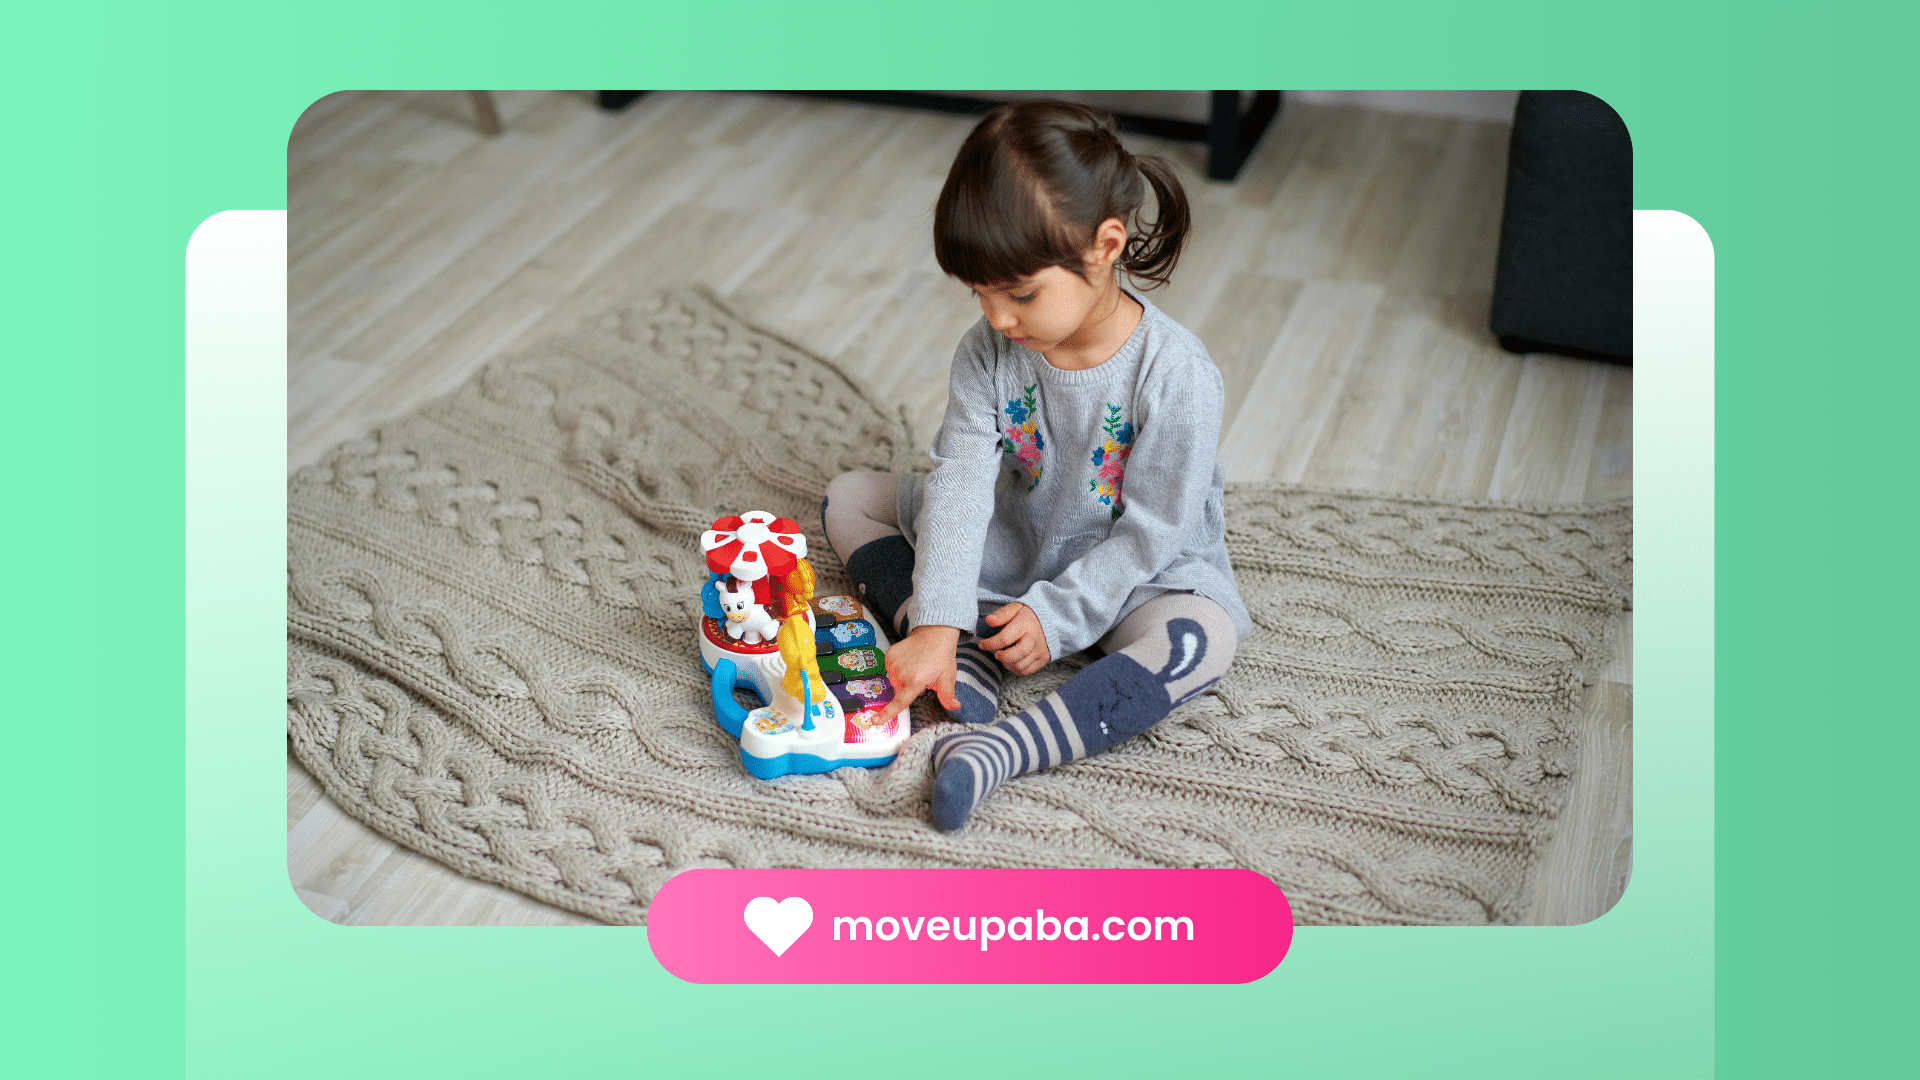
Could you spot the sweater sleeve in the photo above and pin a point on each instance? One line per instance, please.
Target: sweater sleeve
(1168, 477)
(958, 505)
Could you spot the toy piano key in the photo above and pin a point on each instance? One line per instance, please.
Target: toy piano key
(840, 607)
(857, 694)
(846, 634)
(854, 663)
(865, 726)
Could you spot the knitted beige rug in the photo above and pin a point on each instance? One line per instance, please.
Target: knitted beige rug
(491, 657)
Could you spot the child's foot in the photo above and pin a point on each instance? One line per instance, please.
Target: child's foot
(967, 767)
(977, 677)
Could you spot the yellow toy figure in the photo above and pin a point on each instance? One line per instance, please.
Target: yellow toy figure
(796, 631)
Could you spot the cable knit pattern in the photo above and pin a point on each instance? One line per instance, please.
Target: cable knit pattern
(491, 661)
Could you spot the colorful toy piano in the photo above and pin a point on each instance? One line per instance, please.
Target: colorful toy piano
(817, 664)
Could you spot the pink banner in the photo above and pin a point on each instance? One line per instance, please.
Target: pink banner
(969, 926)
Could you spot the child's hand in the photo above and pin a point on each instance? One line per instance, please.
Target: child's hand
(921, 662)
(1020, 646)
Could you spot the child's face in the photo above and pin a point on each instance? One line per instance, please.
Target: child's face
(1056, 309)
(1043, 311)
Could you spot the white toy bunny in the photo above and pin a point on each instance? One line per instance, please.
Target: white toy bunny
(747, 621)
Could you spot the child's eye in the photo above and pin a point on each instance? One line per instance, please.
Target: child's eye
(1023, 299)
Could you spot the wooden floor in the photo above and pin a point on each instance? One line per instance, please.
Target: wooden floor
(1342, 285)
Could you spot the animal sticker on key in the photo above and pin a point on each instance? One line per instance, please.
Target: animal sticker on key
(761, 629)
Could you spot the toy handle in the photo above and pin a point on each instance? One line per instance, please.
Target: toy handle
(726, 710)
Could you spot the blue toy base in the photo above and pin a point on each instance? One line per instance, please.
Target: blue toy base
(786, 764)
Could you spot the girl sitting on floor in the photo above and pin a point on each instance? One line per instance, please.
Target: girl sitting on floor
(1077, 497)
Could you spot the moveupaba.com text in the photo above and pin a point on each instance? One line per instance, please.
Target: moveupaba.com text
(1039, 926)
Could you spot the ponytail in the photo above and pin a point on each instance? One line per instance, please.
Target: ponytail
(1152, 252)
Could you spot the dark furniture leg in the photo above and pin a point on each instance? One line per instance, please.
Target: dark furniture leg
(1231, 135)
(1223, 136)
(615, 100)
(485, 116)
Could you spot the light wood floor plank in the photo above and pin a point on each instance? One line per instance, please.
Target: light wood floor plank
(1620, 667)
(330, 855)
(1390, 203)
(1273, 431)
(1610, 474)
(332, 128)
(1225, 236)
(407, 889)
(1458, 190)
(1468, 266)
(303, 791)
(1422, 409)
(1243, 324)
(320, 110)
(403, 245)
(1283, 149)
(328, 396)
(1547, 450)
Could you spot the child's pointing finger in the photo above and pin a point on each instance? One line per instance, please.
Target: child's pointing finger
(922, 661)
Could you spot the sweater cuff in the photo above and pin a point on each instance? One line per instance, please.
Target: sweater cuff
(960, 616)
(1058, 636)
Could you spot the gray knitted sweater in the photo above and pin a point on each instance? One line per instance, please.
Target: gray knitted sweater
(1082, 494)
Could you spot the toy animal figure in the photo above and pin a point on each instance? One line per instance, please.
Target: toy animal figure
(746, 620)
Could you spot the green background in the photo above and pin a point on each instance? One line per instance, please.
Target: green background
(152, 929)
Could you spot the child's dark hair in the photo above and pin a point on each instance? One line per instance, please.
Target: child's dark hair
(1034, 181)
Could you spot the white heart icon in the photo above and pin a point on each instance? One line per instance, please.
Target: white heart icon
(778, 925)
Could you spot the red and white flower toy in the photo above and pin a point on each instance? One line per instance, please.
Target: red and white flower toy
(754, 547)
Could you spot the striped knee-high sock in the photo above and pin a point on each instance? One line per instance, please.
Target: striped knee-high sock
(976, 683)
(1114, 699)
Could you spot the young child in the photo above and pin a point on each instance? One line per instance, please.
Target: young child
(1077, 496)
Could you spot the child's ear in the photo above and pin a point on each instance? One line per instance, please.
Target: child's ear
(1109, 240)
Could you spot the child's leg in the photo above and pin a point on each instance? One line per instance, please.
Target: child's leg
(860, 518)
(1170, 649)
(863, 527)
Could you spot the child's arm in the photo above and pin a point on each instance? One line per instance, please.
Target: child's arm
(958, 504)
(952, 530)
(1169, 477)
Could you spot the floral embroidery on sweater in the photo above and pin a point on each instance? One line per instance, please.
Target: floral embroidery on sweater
(1110, 460)
(1022, 438)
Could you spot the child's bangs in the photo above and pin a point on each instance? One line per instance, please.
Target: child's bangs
(996, 232)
